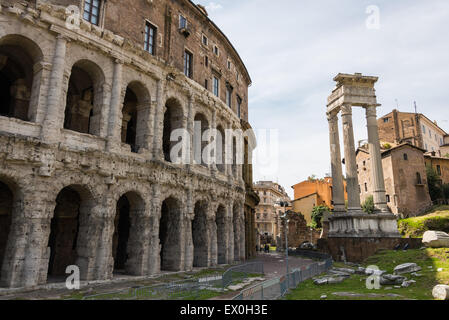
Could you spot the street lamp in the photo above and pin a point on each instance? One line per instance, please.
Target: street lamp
(285, 204)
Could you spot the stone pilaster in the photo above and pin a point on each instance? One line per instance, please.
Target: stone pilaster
(379, 194)
(52, 121)
(158, 153)
(338, 193)
(350, 159)
(212, 231)
(114, 123)
(230, 226)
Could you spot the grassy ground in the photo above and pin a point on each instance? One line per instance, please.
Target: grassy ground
(385, 260)
(437, 219)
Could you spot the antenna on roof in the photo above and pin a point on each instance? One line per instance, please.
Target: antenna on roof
(397, 103)
(416, 107)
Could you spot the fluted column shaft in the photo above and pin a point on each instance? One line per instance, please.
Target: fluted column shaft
(352, 180)
(114, 124)
(380, 200)
(338, 193)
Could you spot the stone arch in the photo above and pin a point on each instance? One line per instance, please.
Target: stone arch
(19, 85)
(200, 235)
(220, 220)
(220, 149)
(69, 229)
(84, 99)
(126, 244)
(173, 119)
(135, 116)
(200, 126)
(170, 228)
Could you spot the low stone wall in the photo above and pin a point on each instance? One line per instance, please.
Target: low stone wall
(358, 249)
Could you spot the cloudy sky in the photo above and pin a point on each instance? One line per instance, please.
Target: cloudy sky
(294, 48)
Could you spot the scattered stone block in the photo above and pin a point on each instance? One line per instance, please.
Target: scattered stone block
(390, 279)
(323, 296)
(436, 239)
(408, 283)
(374, 271)
(407, 268)
(441, 292)
(440, 269)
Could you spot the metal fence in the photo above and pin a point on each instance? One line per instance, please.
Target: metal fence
(197, 288)
(183, 289)
(278, 287)
(242, 272)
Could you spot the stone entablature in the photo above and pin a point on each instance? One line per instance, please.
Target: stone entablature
(46, 165)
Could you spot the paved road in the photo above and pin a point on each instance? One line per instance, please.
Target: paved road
(274, 264)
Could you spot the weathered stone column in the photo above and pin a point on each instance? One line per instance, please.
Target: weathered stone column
(350, 159)
(51, 123)
(154, 255)
(338, 192)
(230, 226)
(158, 130)
(380, 200)
(187, 217)
(242, 233)
(114, 123)
(212, 230)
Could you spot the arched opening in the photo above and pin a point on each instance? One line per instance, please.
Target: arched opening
(170, 235)
(126, 241)
(236, 225)
(200, 235)
(18, 83)
(173, 119)
(6, 204)
(84, 98)
(65, 227)
(129, 119)
(122, 224)
(135, 117)
(220, 220)
(220, 149)
(199, 128)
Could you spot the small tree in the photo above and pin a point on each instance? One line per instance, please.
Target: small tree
(368, 205)
(434, 182)
(446, 190)
(317, 215)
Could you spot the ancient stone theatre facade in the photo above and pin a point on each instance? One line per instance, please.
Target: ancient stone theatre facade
(90, 93)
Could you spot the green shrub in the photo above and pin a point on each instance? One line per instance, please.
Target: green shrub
(368, 205)
(317, 215)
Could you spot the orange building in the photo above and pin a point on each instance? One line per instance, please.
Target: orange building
(311, 193)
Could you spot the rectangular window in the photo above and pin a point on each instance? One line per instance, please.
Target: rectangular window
(206, 61)
(182, 22)
(366, 187)
(216, 87)
(388, 198)
(439, 170)
(205, 40)
(216, 51)
(386, 120)
(423, 129)
(150, 38)
(206, 84)
(229, 65)
(229, 97)
(92, 11)
(239, 106)
(188, 59)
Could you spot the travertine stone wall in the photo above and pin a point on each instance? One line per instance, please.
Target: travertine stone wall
(39, 159)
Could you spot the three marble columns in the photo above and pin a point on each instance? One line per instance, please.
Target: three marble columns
(352, 181)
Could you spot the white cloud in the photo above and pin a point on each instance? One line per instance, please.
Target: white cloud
(212, 6)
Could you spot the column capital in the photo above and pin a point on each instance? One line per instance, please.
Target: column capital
(346, 109)
(371, 111)
(332, 116)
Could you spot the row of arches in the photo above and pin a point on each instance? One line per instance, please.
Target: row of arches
(71, 229)
(85, 102)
